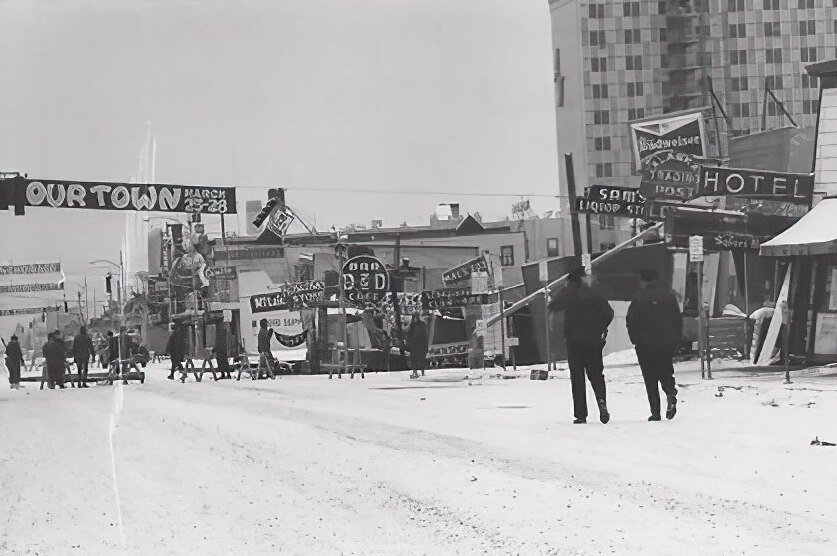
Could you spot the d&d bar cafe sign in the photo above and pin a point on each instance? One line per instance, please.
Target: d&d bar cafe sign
(606, 199)
(718, 181)
(130, 196)
(365, 280)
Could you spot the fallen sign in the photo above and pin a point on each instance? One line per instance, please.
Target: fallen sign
(718, 181)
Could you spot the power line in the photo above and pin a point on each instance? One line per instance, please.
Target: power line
(389, 192)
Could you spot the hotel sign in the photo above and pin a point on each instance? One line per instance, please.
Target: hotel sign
(716, 181)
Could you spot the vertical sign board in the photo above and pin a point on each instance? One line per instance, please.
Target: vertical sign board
(587, 263)
(696, 249)
(543, 272)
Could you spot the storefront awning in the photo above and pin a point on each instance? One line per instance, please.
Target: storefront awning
(814, 234)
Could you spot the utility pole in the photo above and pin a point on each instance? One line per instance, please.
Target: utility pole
(576, 226)
(394, 284)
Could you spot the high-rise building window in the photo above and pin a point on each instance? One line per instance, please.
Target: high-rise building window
(507, 255)
(596, 11)
(663, 34)
(607, 222)
(601, 117)
(635, 89)
(602, 143)
(662, 7)
(735, 6)
(808, 54)
(739, 83)
(604, 170)
(598, 64)
(807, 4)
(809, 81)
(737, 57)
(600, 91)
(773, 55)
(636, 113)
(772, 29)
(771, 4)
(630, 9)
(552, 249)
(597, 38)
(808, 27)
(809, 106)
(771, 109)
(773, 82)
(737, 31)
(633, 36)
(633, 62)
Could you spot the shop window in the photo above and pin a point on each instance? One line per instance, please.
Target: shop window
(607, 222)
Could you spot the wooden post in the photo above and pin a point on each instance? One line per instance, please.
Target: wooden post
(546, 327)
(576, 227)
(786, 318)
(701, 339)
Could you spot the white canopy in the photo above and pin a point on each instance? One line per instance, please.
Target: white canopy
(814, 234)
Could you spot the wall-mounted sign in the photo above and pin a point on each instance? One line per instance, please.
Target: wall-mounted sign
(130, 196)
(365, 280)
(465, 270)
(448, 298)
(670, 175)
(618, 201)
(26, 288)
(34, 268)
(248, 253)
(279, 221)
(292, 295)
(678, 134)
(719, 181)
(696, 249)
(656, 210)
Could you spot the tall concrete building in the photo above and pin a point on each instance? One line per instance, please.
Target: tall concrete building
(618, 61)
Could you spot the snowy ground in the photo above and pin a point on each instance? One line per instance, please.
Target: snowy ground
(389, 465)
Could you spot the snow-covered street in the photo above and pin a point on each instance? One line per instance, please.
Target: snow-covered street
(389, 465)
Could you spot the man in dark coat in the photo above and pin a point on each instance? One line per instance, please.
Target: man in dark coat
(55, 356)
(417, 344)
(265, 354)
(586, 317)
(222, 357)
(14, 359)
(83, 350)
(655, 326)
(176, 350)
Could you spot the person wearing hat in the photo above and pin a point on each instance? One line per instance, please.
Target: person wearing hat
(82, 351)
(14, 359)
(586, 317)
(55, 360)
(655, 326)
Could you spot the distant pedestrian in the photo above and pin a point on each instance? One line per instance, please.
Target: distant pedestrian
(14, 360)
(417, 345)
(83, 350)
(265, 354)
(176, 349)
(222, 357)
(586, 317)
(55, 360)
(655, 326)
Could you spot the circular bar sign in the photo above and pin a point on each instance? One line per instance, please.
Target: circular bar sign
(365, 280)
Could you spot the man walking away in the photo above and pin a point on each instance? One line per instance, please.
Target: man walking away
(14, 359)
(265, 355)
(82, 352)
(655, 326)
(222, 357)
(55, 360)
(586, 317)
(176, 350)
(417, 344)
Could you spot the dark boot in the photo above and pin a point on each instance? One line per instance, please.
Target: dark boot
(579, 421)
(671, 410)
(654, 418)
(604, 415)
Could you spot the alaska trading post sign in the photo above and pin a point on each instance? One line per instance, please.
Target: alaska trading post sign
(130, 196)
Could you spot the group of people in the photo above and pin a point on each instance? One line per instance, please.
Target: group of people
(177, 349)
(654, 323)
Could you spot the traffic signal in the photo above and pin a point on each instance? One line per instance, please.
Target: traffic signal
(265, 212)
(107, 284)
(13, 192)
(66, 307)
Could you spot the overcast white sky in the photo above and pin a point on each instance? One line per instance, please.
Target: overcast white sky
(400, 95)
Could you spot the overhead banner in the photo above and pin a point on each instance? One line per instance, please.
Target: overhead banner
(33, 268)
(448, 298)
(716, 181)
(679, 134)
(241, 253)
(26, 288)
(130, 196)
(465, 270)
(27, 311)
(295, 295)
(287, 327)
(606, 199)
